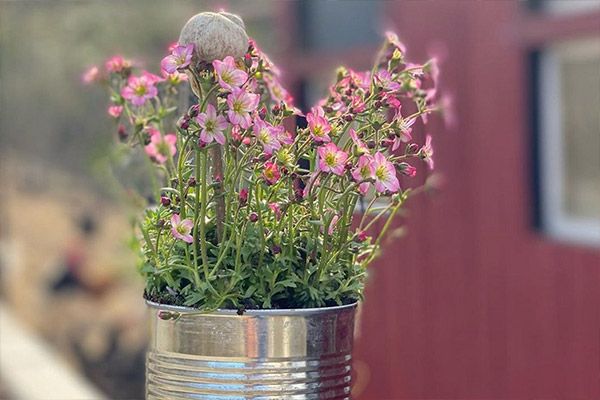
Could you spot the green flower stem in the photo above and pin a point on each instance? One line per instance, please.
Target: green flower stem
(383, 231)
(202, 221)
(260, 225)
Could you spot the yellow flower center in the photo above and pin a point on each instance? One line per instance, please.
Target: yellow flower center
(237, 107)
(330, 159)
(380, 173)
(182, 230)
(140, 90)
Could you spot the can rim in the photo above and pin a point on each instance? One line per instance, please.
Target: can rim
(262, 312)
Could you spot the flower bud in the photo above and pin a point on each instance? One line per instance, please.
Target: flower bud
(184, 123)
(349, 118)
(215, 36)
(193, 111)
(276, 109)
(192, 182)
(276, 249)
(122, 132)
(243, 197)
(378, 104)
(167, 315)
(387, 143)
(361, 236)
(161, 222)
(328, 109)
(412, 148)
(262, 113)
(201, 143)
(247, 60)
(407, 169)
(371, 144)
(253, 217)
(165, 201)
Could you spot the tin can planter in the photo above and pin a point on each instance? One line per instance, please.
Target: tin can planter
(262, 354)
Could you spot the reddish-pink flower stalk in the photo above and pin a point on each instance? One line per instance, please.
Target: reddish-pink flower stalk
(139, 89)
(228, 75)
(384, 174)
(318, 126)
(241, 104)
(271, 173)
(332, 159)
(159, 147)
(182, 229)
(267, 135)
(180, 57)
(363, 172)
(212, 125)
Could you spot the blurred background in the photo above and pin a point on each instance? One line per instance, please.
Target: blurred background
(493, 292)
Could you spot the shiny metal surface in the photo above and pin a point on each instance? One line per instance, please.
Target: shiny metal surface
(264, 354)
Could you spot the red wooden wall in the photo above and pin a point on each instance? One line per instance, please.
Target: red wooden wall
(474, 303)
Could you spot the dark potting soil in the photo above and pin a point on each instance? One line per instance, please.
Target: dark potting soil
(173, 300)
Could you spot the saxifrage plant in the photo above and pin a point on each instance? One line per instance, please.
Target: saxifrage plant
(250, 212)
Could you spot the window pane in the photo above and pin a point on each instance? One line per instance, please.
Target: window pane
(570, 133)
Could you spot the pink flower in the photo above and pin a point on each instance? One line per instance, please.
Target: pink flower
(175, 78)
(151, 77)
(116, 64)
(405, 126)
(267, 135)
(91, 75)
(393, 103)
(115, 111)
(384, 174)
(139, 89)
(360, 146)
(358, 105)
(172, 47)
(241, 104)
(212, 125)
(385, 79)
(318, 125)
(228, 75)
(392, 38)
(313, 180)
(284, 136)
(277, 91)
(276, 208)
(426, 152)
(332, 159)
(363, 172)
(271, 173)
(182, 229)
(159, 147)
(179, 58)
(332, 224)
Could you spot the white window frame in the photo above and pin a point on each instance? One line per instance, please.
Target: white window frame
(556, 222)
